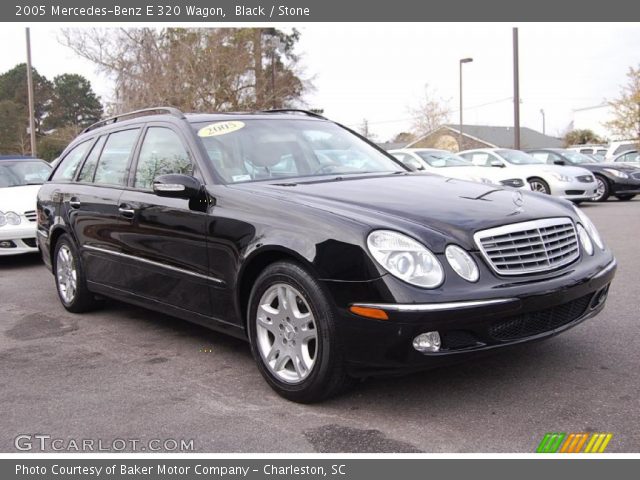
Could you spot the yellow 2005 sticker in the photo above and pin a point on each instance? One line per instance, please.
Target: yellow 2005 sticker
(220, 128)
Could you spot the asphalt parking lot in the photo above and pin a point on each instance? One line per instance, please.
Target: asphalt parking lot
(128, 373)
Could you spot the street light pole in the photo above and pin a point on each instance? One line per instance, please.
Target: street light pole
(460, 137)
(516, 92)
(544, 130)
(32, 121)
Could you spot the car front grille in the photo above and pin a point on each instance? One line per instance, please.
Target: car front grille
(29, 242)
(31, 215)
(529, 247)
(636, 175)
(585, 178)
(541, 321)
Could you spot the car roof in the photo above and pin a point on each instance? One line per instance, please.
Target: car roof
(16, 157)
(217, 117)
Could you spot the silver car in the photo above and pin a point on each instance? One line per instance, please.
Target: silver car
(573, 183)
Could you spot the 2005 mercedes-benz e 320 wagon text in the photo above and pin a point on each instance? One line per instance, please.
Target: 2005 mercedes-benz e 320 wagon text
(328, 255)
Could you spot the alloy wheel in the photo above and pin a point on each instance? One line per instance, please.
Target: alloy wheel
(286, 331)
(66, 274)
(538, 187)
(601, 188)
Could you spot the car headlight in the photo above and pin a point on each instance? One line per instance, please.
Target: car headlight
(585, 240)
(12, 218)
(3, 219)
(462, 263)
(405, 258)
(616, 173)
(589, 227)
(560, 177)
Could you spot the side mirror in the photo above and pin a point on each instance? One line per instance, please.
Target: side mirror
(177, 186)
(559, 162)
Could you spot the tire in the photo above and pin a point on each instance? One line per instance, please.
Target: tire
(312, 369)
(624, 198)
(71, 283)
(539, 185)
(603, 191)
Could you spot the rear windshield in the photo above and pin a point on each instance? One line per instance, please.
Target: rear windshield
(23, 172)
(519, 158)
(443, 159)
(252, 150)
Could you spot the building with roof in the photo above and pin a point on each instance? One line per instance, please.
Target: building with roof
(447, 137)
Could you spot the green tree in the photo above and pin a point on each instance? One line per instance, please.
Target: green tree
(13, 128)
(626, 108)
(13, 87)
(581, 137)
(73, 104)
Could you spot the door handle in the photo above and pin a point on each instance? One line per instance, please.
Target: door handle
(126, 211)
(74, 202)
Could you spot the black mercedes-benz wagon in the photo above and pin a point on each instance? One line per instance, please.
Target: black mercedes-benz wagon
(292, 231)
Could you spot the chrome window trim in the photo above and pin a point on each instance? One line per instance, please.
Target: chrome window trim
(519, 227)
(434, 307)
(155, 264)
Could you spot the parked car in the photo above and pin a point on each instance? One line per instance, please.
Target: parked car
(442, 162)
(616, 148)
(619, 180)
(20, 180)
(333, 266)
(629, 157)
(573, 183)
(599, 150)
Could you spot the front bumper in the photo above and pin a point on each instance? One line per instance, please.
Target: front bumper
(574, 190)
(625, 186)
(380, 347)
(18, 239)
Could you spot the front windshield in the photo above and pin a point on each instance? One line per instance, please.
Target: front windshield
(253, 150)
(517, 157)
(577, 158)
(443, 159)
(23, 172)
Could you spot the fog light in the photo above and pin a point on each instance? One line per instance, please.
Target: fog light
(427, 342)
(7, 244)
(599, 298)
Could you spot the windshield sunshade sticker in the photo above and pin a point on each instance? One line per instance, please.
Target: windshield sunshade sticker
(220, 128)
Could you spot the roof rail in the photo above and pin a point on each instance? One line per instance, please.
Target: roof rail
(294, 110)
(137, 113)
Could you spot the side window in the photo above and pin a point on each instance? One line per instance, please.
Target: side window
(89, 167)
(69, 164)
(112, 166)
(481, 159)
(162, 153)
(544, 156)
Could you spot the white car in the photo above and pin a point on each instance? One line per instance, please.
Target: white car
(572, 183)
(443, 162)
(20, 180)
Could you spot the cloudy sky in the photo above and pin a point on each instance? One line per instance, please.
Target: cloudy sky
(378, 71)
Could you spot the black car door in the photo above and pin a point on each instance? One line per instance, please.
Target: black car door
(164, 240)
(93, 206)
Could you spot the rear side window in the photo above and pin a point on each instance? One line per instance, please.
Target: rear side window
(69, 164)
(112, 166)
(162, 152)
(89, 167)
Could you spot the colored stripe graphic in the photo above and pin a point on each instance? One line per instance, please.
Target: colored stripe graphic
(550, 443)
(555, 442)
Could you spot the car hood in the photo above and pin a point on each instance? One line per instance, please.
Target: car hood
(450, 208)
(624, 167)
(561, 169)
(18, 199)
